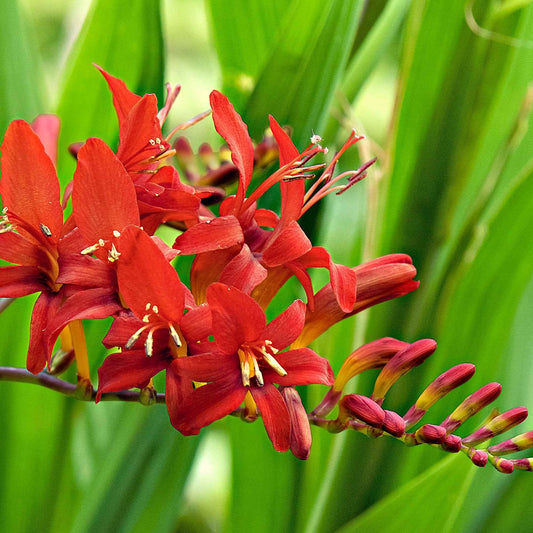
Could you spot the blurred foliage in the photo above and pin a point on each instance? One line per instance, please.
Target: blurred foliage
(444, 92)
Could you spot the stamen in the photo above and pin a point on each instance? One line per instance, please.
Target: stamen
(174, 335)
(46, 230)
(155, 309)
(149, 343)
(101, 242)
(113, 254)
(147, 307)
(245, 371)
(258, 374)
(90, 249)
(135, 337)
(274, 364)
(116, 233)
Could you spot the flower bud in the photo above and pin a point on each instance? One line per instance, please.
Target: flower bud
(472, 405)
(478, 457)
(497, 426)
(516, 444)
(300, 438)
(523, 464)
(372, 355)
(441, 386)
(406, 359)
(505, 466)
(452, 444)
(430, 434)
(362, 408)
(393, 424)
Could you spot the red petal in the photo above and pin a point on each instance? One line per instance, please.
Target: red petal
(196, 324)
(29, 185)
(14, 248)
(285, 328)
(86, 271)
(104, 198)
(207, 367)
(211, 235)
(206, 269)
(146, 277)
(176, 390)
(244, 271)
(303, 367)
(38, 351)
(237, 318)
(275, 415)
(292, 192)
(140, 127)
(18, 281)
(123, 98)
(125, 371)
(229, 125)
(47, 129)
(290, 244)
(207, 404)
(89, 303)
(343, 278)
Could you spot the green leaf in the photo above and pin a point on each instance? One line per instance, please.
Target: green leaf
(428, 502)
(127, 42)
(21, 83)
(305, 65)
(243, 33)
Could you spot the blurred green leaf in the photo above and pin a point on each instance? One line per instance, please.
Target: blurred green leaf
(428, 502)
(125, 40)
(305, 66)
(243, 33)
(21, 85)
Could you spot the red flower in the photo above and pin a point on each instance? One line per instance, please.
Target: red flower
(239, 252)
(244, 363)
(142, 148)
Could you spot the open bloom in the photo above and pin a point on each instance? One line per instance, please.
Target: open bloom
(245, 362)
(236, 249)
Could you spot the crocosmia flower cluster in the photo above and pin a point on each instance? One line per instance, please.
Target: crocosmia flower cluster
(211, 337)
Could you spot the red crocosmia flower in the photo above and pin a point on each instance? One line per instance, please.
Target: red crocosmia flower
(30, 228)
(244, 363)
(142, 148)
(142, 145)
(152, 290)
(103, 199)
(382, 279)
(241, 252)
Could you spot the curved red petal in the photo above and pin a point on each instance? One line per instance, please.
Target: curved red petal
(146, 277)
(211, 235)
(39, 351)
(196, 323)
(275, 415)
(140, 136)
(244, 271)
(29, 185)
(290, 244)
(47, 129)
(303, 367)
(207, 404)
(176, 391)
(123, 98)
(207, 367)
(286, 327)
(103, 199)
(18, 281)
(237, 318)
(122, 371)
(229, 125)
(292, 192)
